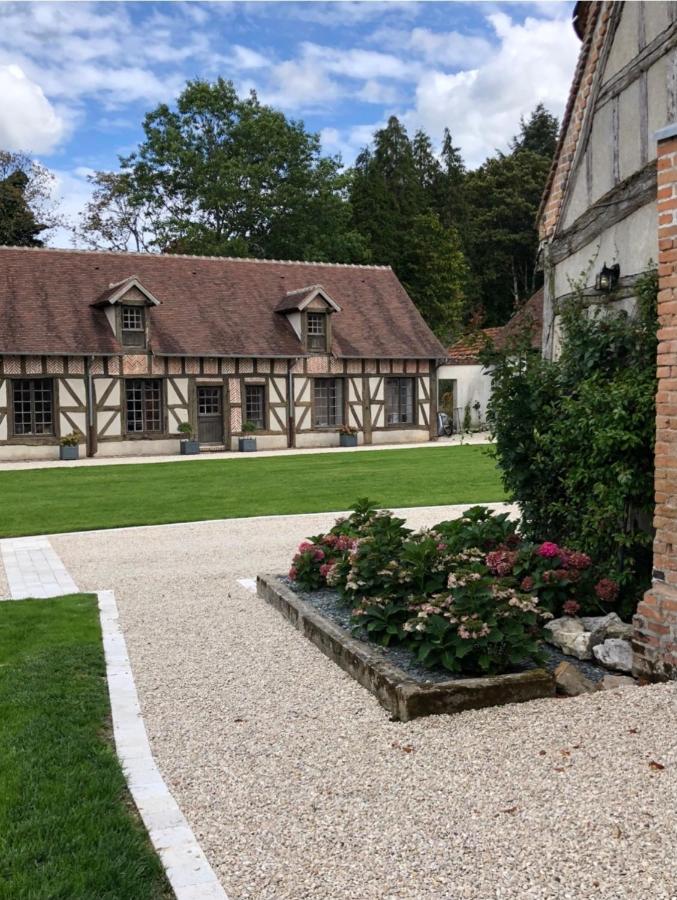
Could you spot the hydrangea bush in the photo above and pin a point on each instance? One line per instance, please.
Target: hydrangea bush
(469, 595)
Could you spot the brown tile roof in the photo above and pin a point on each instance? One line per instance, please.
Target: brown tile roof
(209, 306)
(466, 351)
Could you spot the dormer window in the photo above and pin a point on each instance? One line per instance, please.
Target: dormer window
(316, 331)
(133, 326)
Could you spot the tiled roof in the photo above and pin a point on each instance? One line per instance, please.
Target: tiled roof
(466, 351)
(208, 306)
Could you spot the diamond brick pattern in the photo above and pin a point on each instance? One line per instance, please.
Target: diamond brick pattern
(354, 366)
(263, 366)
(34, 365)
(246, 366)
(114, 365)
(234, 390)
(336, 366)
(280, 366)
(55, 365)
(12, 365)
(318, 364)
(192, 366)
(211, 366)
(96, 366)
(135, 364)
(76, 365)
(235, 419)
(174, 365)
(228, 366)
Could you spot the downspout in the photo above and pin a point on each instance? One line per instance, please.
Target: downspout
(91, 421)
(291, 435)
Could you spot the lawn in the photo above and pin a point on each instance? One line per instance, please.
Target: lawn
(67, 825)
(45, 501)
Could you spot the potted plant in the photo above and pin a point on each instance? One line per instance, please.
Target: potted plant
(347, 436)
(70, 445)
(247, 443)
(188, 445)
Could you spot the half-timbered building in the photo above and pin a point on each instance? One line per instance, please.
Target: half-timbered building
(609, 214)
(122, 348)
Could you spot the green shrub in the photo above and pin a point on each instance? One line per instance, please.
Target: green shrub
(574, 438)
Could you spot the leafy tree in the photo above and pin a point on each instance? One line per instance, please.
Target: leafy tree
(538, 133)
(27, 208)
(434, 272)
(116, 218)
(221, 174)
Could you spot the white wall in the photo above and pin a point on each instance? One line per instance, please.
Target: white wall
(473, 384)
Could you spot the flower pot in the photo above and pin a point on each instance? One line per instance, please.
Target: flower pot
(348, 440)
(246, 444)
(69, 452)
(189, 448)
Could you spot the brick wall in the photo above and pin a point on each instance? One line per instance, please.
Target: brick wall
(655, 639)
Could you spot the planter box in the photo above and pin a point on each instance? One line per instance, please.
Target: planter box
(348, 440)
(402, 695)
(189, 448)
(246, 444)
(69, 452)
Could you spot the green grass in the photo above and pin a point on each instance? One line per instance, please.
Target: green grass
(67, 827)
(45, 501)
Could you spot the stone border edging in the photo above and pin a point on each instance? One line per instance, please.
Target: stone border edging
(188, 870)
(399, 693)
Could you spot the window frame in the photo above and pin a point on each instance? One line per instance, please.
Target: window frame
(414, 405)
(145, 432)
(341, 405)
(326, 334)
(263, 387)
(124, 332)
(32, 436)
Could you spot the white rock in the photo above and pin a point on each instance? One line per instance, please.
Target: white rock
(603, 627)
(614, 653)
(569, 634)
(611, 682)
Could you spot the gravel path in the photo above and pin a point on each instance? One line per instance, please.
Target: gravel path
(298, 786)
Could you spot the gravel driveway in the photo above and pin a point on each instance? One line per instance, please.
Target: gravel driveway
(297, 784)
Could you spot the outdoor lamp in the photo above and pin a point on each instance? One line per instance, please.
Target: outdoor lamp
(607, 279)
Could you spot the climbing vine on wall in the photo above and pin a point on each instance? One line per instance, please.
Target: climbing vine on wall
(575, 437)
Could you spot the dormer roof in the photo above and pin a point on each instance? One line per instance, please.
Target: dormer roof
(117, 291)
(297, 300)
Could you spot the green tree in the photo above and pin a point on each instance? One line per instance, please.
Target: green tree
(27, 209)
(503, 196)
(435, 273)
(221, 174)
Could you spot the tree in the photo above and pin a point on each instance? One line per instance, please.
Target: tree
(27, 208)
(219, 174)
(503, 196)
(538, 133)
(435, 273)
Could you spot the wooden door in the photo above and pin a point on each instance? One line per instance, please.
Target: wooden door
(210, 414)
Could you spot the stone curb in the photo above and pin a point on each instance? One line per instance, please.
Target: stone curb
(188, 870)
(399, 693)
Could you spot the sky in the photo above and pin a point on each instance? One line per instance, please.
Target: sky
(77, 78)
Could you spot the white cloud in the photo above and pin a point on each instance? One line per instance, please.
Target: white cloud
(28, 121)
(534, 63)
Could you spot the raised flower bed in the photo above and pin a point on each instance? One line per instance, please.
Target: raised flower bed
(468, 597)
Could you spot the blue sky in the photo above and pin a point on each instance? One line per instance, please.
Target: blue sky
(77, 78)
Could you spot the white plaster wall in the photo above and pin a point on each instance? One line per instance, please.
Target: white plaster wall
(578, 199)
(137, 448)
(625, 45)
(400, 436)
(77, 386)
(79, 419)
(473, 384)
(21, 452)
(318, 439)
(657, 89)
(265, 442)
(602, 153)
(630, 144)
(656, 19)
(633, 243)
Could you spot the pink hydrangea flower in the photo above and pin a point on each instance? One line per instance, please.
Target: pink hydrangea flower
(548, 550)
(570, 607)
(318, 554)
(304, 546)
(527, 583)
(607, 590)
(293, 573)
(326, 569)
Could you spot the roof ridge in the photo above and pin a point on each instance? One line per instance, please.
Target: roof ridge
(248, 259)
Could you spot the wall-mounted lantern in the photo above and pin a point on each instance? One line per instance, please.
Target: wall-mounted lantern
(607, 279)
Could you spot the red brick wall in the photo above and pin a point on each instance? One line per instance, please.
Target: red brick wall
(655, 640)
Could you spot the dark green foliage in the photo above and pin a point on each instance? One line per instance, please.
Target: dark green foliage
(18, 225)
(223, 175)
(67, 825)
(575, 438)
(478, 527)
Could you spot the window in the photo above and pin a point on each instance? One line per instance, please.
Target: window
(399, 401)
(144, 405)
(33, 406)
(133, 326)
(327, 402)
(316, 331)
(255, 404)
(209, 401)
